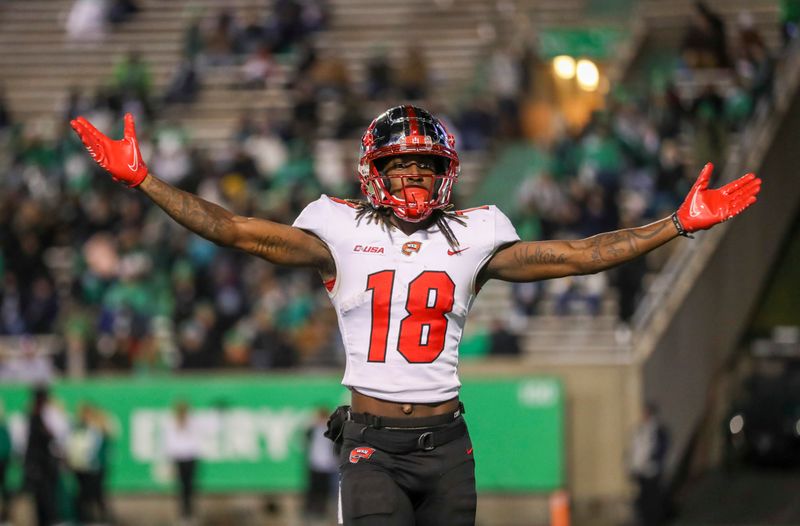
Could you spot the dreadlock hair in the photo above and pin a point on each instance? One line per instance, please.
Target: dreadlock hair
(382, 216)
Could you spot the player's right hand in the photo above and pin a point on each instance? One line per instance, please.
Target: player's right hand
(122, 158)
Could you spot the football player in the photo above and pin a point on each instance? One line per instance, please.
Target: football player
(402, 269)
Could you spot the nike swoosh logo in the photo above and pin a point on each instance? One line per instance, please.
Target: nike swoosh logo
(135, 164)
(694, 211)
(454, 252)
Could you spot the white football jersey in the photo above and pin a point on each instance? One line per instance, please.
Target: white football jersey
(402, 301)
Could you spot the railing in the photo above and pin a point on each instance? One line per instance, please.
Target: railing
(675, 279)
(696, 312)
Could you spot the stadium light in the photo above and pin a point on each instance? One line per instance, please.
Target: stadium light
(588, 75)
(736, 424)
(564, 67)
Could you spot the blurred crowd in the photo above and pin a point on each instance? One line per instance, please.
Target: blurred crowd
(64, 461)
(129, 289)
(636, 159)
(126, 287)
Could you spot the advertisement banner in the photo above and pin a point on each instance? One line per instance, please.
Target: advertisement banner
(253, 428)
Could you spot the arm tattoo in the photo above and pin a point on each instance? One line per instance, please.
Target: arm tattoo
(268, 240)
(201, 217)
(617, 247)
(273, 247)
(538, 256)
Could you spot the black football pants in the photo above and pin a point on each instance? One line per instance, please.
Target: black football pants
(420, 488)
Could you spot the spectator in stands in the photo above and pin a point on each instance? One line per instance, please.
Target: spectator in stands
(184, 85)
(285, 27)
(41, 470)
(194, 38)
(228, 296)
(182, 447)
(526, 298)
(671, 181)
(598, 208)
(629, 277)
(305, 62)
(578, 294)
(543, 196)
(171, 153)
(411, 76)
(264, 144)
(77, 103)
(704, 44)
(236, 346)
(258, 68)
(5, 459)
(747, 34)
(754, 62)
(305, 117)
(315, 338)
(602, 159)
(789, 20)
(252, 36)
(647, 461)
(132, 82)
(11, 317)
(503, 342)
(120, 11)
(666, 111)
(330, 76)
(378, 75)
(315, 15)
(346, 123)
(245, 127)
(241, 166)
(477, 123)
(505, 78)
(86, 21)
(219, 46)
(41, 307)
(105, 104)
(271, 348)
(199, 338)
(708, 118)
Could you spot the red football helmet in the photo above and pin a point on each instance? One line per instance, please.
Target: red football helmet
(407, 130)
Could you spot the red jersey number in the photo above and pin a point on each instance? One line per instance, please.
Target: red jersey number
(422, 332)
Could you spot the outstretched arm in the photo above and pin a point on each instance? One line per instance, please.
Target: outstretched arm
(536, 260)
(277, 243)
(702, 209)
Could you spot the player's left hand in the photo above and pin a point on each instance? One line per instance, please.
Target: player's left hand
(704, 207)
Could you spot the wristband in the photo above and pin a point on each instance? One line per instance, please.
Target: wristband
(679, 227)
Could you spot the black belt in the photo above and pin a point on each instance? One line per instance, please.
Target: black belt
(398, 440)
(405, 422)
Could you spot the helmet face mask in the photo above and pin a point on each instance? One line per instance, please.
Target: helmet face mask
(405, 130)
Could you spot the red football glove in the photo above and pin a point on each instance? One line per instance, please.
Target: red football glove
(704, 208)
(121, 159)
